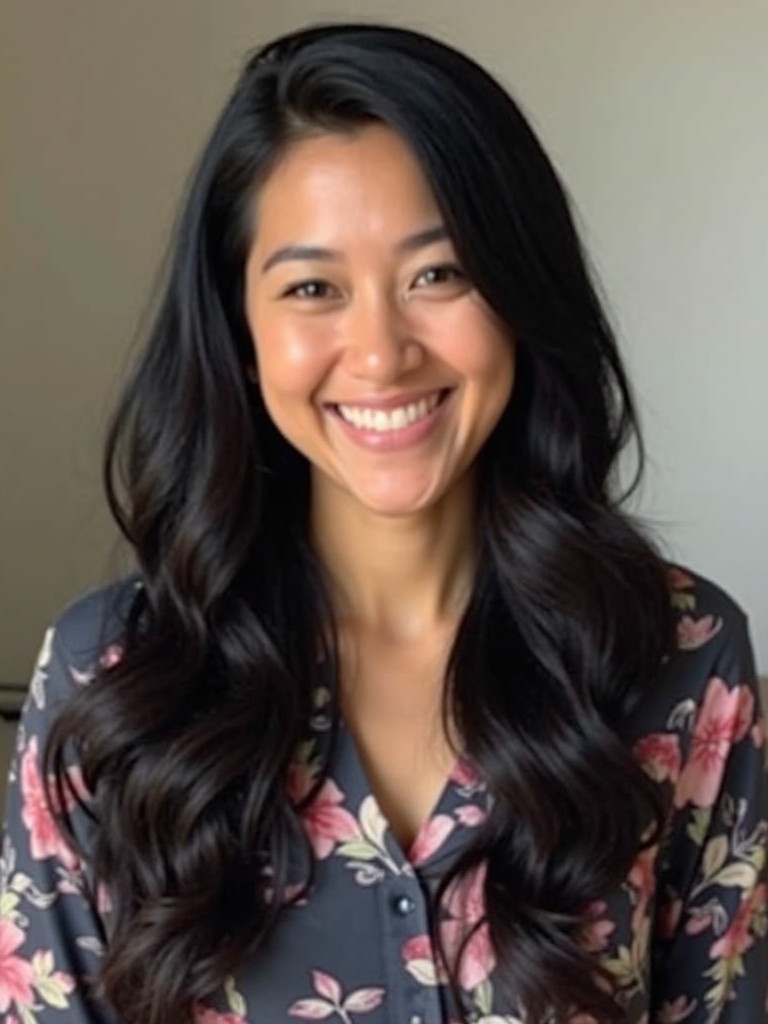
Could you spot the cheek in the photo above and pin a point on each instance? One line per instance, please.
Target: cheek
(481, 352)
(291, 363)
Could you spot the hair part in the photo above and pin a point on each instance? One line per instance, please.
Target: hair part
(187, 742)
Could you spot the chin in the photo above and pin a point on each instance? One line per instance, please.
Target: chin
(398, 502)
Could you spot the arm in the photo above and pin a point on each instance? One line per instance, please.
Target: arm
(51, 933)
(711, 942)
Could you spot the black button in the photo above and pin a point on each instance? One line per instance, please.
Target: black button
(403, 905)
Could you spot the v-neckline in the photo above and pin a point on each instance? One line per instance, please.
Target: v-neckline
(437, 806)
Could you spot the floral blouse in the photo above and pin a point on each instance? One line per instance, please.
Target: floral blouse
(684, 935)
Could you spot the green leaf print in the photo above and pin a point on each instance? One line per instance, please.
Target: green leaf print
(52, 992)
(359, 849)
(235, 1001)
(697, 829)
(715, 854)
(742, 875)
(372, 822)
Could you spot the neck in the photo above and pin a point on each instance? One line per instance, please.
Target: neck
(400, 577)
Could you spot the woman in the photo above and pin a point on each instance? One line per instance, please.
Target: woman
(402, 718)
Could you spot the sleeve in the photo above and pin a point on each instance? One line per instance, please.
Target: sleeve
(710, 951)
(51, 932)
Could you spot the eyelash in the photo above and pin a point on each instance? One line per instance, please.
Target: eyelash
(293, 291)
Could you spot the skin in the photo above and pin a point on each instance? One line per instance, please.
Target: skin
(394, 528)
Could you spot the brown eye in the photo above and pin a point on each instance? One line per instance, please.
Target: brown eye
(314, 289)
(441, 274)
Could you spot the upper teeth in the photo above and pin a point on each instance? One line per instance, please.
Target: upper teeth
(391, 419)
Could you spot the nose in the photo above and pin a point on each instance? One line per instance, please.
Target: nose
(379, 344)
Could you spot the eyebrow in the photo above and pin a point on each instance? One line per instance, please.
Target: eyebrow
(411, 243)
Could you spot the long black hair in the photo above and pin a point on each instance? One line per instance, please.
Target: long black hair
(186, 743)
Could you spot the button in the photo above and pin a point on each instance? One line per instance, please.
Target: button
(403, 905)
(415, 1019)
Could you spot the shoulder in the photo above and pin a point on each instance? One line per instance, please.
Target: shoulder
(701, 603)
(84, 636)
(712, 654)
(712, 629)
(95, 620)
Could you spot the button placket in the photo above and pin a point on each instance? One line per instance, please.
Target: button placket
(404, 904)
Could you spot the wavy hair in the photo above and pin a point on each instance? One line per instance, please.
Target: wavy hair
(186, 743)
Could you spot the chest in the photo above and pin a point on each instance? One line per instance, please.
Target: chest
(392, 707)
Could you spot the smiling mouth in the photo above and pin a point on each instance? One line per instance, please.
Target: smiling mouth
(382, 421)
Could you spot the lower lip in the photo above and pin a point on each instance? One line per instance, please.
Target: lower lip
(393, 440)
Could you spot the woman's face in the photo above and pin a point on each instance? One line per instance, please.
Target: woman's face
(375, 356)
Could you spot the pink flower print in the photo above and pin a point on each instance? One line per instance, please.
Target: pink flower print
(598, 929)
(15, 973)
(327, 986)
(642, 881)
(719, 721)
(111, 656)
(420, 961)
(291, 892)
(678, 579)
(430, 838)
(103, 899)
(417, 947)
(465, 898)
(45, 840)
(758, 732)
(292, 889)
(675, 1010)
(659, 755)
(739, 935)
(465, 903)
(299, 780)
(470, 815)
(330, 1003)
(694, 633)
(326, 823)
(204, 1015)
(700, 919)
(363, 1000)
(745, 713)
(465, 776)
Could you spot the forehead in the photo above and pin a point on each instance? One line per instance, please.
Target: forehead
(338, 183)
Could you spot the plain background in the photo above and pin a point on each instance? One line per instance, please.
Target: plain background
(654, 112)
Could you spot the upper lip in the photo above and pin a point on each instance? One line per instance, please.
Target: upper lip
(390, 401)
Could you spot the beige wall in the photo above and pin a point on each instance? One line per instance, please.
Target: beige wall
(654, 113)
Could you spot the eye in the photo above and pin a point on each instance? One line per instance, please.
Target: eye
(443, 273)
(313, 289)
